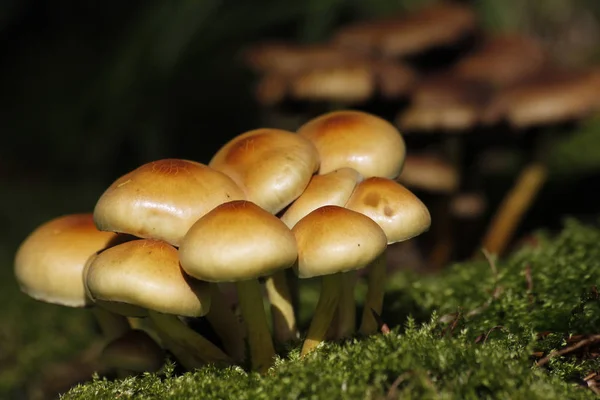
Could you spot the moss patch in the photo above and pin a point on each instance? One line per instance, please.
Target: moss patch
(475, 331)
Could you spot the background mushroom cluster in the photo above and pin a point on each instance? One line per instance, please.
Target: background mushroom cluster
(467, 99)
(167, 241)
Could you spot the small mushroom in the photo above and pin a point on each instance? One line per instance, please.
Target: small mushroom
(134, 352)
(143, 278)
(333, 240)
(402, 216)
(240, 242)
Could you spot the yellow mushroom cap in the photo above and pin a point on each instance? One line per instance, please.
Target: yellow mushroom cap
(273, 166)
(162, 199)
(356, 139)
(50, 261)
(396, 209)
(333, 188)
(334, 239)
(145, 274)
(237, 241)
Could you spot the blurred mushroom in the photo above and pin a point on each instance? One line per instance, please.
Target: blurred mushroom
(333, 240)
(554, 96)
(134, 352)
(143, 278)
(50, 261)
(241, 242)
(161, 200)
(467, 210)
(273, 167)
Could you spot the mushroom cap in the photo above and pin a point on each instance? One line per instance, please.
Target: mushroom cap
(333, 188)
(393, 79)
(272, 88)
(162, 199)
(356, 139)
(445, 101)
(237, 241)
(272, 166)
(145, 274)
(503, 60)
(334, 239)
(439, 24)
(348, 83)
(468, 205)
(429, 172)
(134, 351)
(396, 209)
(50, 261)
(552, 96)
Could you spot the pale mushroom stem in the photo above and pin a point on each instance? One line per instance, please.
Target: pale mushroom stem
(260, 342)
(346, 323)
(282, 308)
(375, 292)
(515, 204)
(329, 298)
(111, 325)
(190, 348)
(226, 324)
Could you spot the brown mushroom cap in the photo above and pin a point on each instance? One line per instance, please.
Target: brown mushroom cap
(355, 139)
(447, 102)
(272, 88)
(468, 205)
(332, 188)
(406, 34)
(237, 241)
(50, 261)
(393, 79)
(396, 209)
(347, 83)
(552, 96)
(145, 274)
(272, 166)
(134, 351)
(503, 60)
(429, 172)
(162, 199)
(334, 239)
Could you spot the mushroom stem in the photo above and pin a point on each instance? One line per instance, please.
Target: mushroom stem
(329, 298)
(346, 323)
(226, 324)
(111, 325)
(282, 309)
(375, 292)
(189, 347)
(262, 351)
(513, 207)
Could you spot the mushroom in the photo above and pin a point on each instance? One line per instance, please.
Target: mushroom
(161, 200)
(50, 261)
(143, 278)
(134, 352)
(402, 216)
(333, 240)
(273, 167)
(332, 188)
(356, 139)
(239, 242)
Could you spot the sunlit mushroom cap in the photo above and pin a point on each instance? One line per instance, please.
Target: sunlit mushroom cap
(272, 166)
(50, 261)
(237, 241)
(333, 188)
(145, 274)
(162, 199)
(355, 139)
(400, 213)
(429, 172)
(333, 239)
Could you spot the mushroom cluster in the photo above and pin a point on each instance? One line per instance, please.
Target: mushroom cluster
(270, 207)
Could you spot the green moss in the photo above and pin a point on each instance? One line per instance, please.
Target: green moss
(468, 333)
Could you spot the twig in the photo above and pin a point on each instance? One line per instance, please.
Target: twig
(383, 327)
(491, 261)
(569, 349)
(392, 393)
(490, 331)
